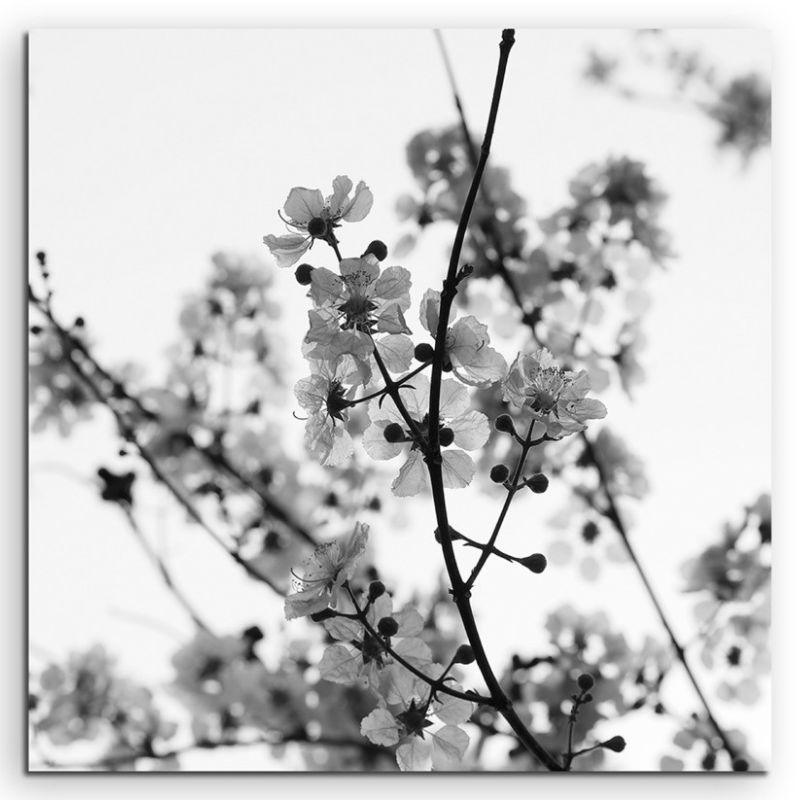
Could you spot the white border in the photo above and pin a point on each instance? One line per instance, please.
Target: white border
(776, 16)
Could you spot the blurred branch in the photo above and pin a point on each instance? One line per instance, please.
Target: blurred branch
(129, 434)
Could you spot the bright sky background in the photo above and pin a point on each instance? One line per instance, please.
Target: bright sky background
(152, 149)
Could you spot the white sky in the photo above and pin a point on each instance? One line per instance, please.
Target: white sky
(150, 150)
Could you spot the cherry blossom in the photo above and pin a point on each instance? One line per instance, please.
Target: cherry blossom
(324, 573)
(556, 397)
(316, 217)
(467, 429)
(466, 345)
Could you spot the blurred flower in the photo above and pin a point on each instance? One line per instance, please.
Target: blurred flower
(623, 470)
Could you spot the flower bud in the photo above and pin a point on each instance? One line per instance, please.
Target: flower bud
(588, 697)
(498, 473)
(394, 433)
(590, 531)
(36, 329)
(376, 589)
(303, 274)
(740, 765)
(709, 761)
(538, 483)
(615, 743)
(446, 437)
(423, 352)
(253, 634)
(464, 655)
(585, 681)
(376, 248)
(387, 626)
(505, 424)
(535, 563)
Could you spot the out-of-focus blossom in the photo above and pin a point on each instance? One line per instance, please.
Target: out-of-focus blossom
(743, 111)
(622, 469)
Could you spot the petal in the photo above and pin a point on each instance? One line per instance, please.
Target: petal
(302, 204)
(391, 320)
(359, 273)
(375, 444)
(414, 755)
(453, 400)
(471, 430)
(360, 205)
(340, 664)
(381, 728)
(410, 622)
(448, 746)
(305, 602)
(311, 392)
(458, 469)
(413, 477)
(341, 189)
(327, 288)
(396, 350)
(287, 249)
(429, 310)
(394, 284)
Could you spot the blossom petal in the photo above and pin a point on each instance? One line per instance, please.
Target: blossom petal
(287, 249)
(453, 400)
(381, 728)
(414, 755)
(448, 746)
(326, 287)
(302, 204)
(396, 350)
(360, 205)
(413, 477)
(341, 189)
(340, 664)
(375, 444)
(471, 430)
(458, 469)
(395, 284)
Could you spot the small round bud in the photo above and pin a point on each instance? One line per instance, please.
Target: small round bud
(498, 473)
(538, 483)
(447, 366)
(446, 437)
(41, 257)
(317, 227)
(303, 274)
(387, 626)
(740, 764)
(505, 424)
(615, 743)
(590, 531)
(79, 322)
(423, 352)
(709, 761)
(36, 329)
(376, 589)
(394, 433)
(585, 681)
(535, 563)
(378, 249)
(588, 697)
(464, 655)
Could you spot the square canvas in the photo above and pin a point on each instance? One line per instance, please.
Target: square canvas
(399, 400)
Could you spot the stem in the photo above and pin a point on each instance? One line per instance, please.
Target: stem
(493, 234)
(614, 517)
(399, 382)
(433, 456)
(527, 444)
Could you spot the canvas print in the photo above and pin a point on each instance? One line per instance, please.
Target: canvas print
(399, 400)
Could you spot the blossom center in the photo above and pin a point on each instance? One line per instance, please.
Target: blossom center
(317, 227)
